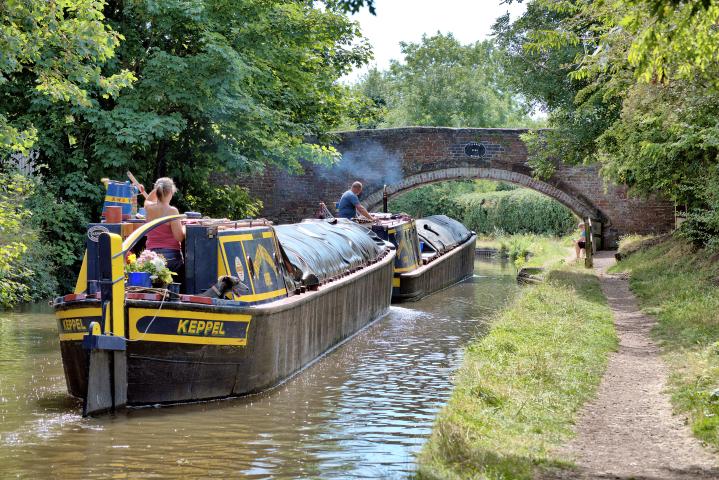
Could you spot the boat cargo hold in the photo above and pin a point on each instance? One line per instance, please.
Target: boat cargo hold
(258, 304)
(432, 253)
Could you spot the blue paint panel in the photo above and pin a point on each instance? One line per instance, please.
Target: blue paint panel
(93, 250)
(406, 242)
(264, 276)
(200, 259)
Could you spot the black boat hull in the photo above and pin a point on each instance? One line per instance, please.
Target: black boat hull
(452, 267)
(279, 340)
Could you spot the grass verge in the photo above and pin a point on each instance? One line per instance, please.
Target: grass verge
(541, 248)
(520, 386)
(678, 284)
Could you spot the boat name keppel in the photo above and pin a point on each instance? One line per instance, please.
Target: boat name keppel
(73, 325)
(207, 328)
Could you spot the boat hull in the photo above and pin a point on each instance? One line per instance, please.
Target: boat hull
(271, 342)
(452, 267)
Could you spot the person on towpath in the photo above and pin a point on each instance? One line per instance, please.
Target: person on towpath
(349, 203)
(581, 243)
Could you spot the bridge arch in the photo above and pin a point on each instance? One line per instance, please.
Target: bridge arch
(578, 206)
(404, 158)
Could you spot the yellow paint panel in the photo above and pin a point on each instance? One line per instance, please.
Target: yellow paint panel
(395, 282)
(236, 238)
(79, 312)
(81, 284)
(117, 271)
(136, 314)
(267, 235)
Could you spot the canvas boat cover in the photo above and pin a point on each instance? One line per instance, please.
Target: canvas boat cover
(442, 233)
(319, 250)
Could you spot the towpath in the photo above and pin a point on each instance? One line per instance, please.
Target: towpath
(628, 431)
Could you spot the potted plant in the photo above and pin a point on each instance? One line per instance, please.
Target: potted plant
(149, 269)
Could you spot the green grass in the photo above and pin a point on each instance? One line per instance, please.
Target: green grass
(520, 386)
(678, 284)
(542, 248)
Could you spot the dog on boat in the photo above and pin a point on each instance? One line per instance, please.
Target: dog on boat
(224, 285)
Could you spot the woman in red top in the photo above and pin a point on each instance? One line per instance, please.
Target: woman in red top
(165, 239)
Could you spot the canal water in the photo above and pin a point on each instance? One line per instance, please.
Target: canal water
(362, 411)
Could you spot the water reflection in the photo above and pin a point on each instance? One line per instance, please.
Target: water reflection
(362, 411)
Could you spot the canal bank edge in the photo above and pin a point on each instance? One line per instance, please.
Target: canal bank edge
(519, 389)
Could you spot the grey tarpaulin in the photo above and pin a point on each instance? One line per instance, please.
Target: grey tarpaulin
(441, 232)
(319, 250)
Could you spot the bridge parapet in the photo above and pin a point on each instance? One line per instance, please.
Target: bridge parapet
(405, 158)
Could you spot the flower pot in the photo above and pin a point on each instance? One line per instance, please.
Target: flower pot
(139, 279)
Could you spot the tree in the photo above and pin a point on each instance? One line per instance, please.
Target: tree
(649, 66)
(53, 51)
(219, 87)
(543, 49)
(441, 82)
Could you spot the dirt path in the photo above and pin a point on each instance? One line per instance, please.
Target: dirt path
(628, 431)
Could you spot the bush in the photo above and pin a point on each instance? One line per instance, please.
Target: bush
(434, 199)
(515, 211)
(25, 274)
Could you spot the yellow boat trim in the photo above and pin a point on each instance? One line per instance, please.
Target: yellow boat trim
(137, 234)
(406, 269)
(236, 238)
(117, 199)
(81, 284)
(136, 314)
(267, 234)
(79, 312)
(395, 282)
(263, 296)
(392, 231)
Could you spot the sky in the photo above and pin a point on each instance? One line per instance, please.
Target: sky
(407, 20)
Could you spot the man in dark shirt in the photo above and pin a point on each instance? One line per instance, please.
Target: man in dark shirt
(349, 204)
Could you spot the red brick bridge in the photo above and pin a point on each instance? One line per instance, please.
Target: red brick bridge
(406, 158)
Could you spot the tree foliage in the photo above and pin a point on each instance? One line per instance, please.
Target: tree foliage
(441, 82)
(515, 212)
(24, 264)
(55, 51)
(181, 88)
(488, 207)
(641, 89)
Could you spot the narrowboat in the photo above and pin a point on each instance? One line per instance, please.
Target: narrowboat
(432, 253)
(258, 303)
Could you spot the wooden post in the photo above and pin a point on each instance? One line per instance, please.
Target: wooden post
(588, 248)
